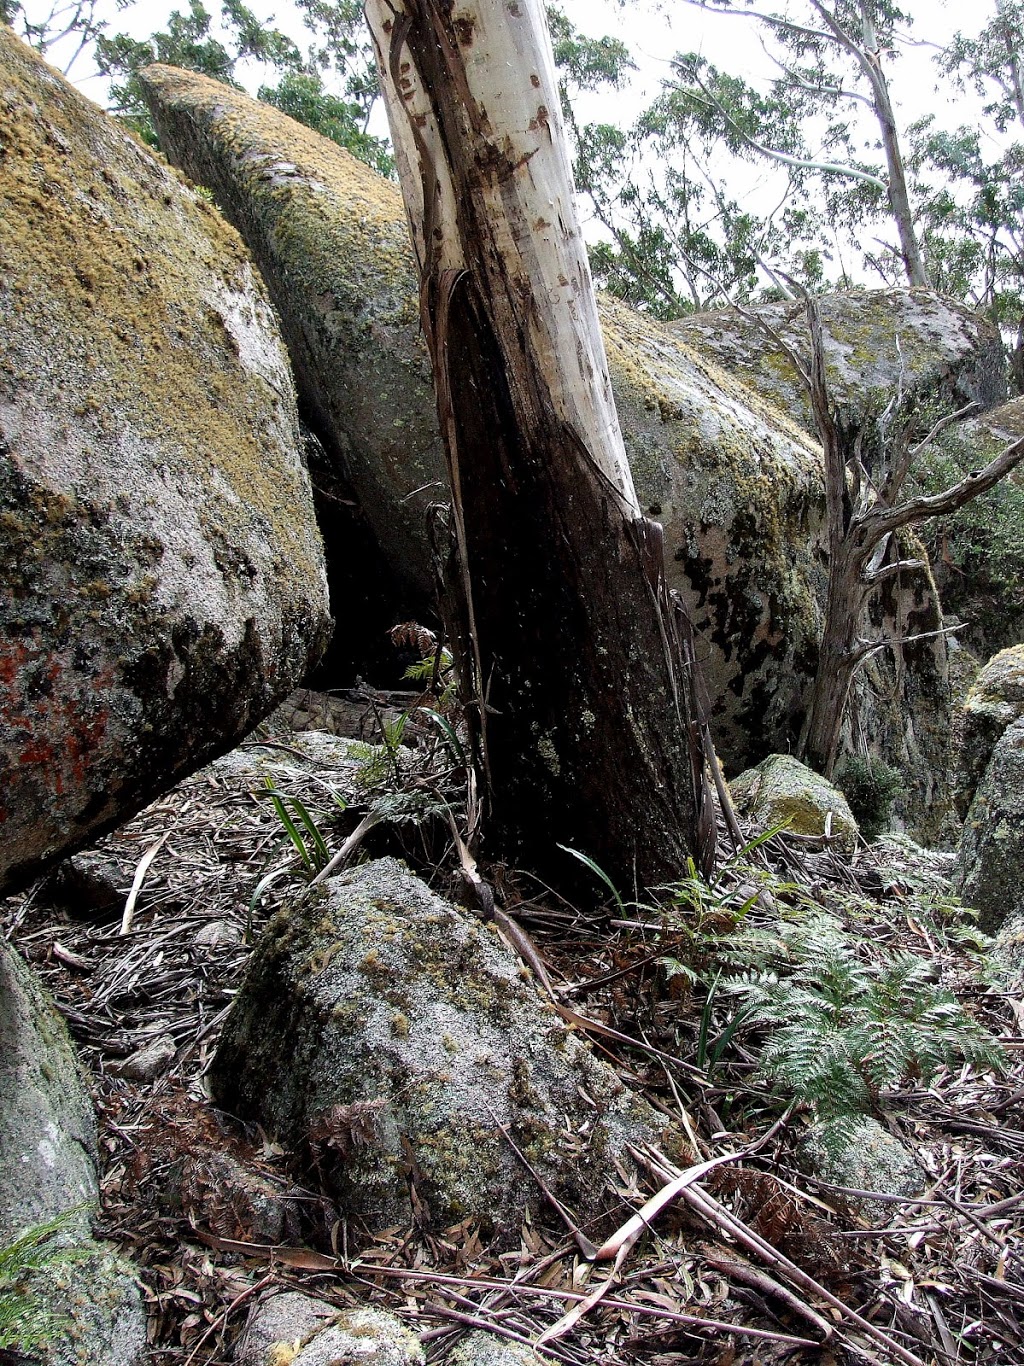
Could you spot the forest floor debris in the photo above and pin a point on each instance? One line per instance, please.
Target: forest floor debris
(753, 1261)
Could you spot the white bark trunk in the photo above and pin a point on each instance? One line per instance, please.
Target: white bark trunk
(509, 100)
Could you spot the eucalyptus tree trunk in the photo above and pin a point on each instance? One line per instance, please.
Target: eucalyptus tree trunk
(572, 659)
(899, 196)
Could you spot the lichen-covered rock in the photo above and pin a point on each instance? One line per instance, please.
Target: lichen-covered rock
(783, 791)
(331, 240)
(96, 1308)
(291, 1329)
(875, 342)
(737, 486)
(389, 1034)
(994, 702)
(48, 1170)
(163, 576)
(485, 1349)
(990, 860)
(863, 1156)
(47, 1127)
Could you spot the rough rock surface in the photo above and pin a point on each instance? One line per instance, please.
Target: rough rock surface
(990, 860)
(47, 1168)
(486, 1349)
(291, 1329)
(868, 1159)
(163, 575)
(331, 240)
(389, 1034)
(781, 790)
(875, 340)
(47, 1128)
(737, 487)
(994, 702)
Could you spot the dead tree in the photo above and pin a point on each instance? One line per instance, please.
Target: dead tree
(570, 654)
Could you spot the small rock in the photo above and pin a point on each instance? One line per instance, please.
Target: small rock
(147, 1062)
(217, 934)
(291, 1329)
(866, 1158)
(485, 1349)
(390, 1033)
(89, 886)
(781, 790)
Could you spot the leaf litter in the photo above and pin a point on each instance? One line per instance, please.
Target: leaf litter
(746, 1259)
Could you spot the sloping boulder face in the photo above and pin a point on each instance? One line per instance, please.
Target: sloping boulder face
(163, 575)
(994, 703)
(739, 493)
(875, 341)
(989, 872)
(388, 1035)
(47, 1128)
(331, 239)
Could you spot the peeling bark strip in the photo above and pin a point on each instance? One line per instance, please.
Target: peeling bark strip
(570, 657)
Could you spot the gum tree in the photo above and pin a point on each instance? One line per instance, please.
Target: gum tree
(573, 659)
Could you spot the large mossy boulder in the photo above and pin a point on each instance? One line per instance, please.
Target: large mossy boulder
(994, 701)
(781, 791)
(331, 240)
(989, 872)
(876, 342)
(736, 485)
(48, 1152)
(391, 1036)
(163, 576)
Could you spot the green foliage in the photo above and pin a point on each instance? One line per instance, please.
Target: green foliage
(308, 841)
(340, 46)
(870, 785)
(978, 553)
(842, 1029)
(186, 42)
(301, 95)
(26, 1322)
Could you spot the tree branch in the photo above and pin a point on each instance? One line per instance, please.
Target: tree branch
(800, 163)
(878, 521)
(872, 578)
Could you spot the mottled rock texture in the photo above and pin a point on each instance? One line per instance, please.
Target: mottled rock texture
(330, 238)
(783, 791)
(48, 1168)
(990, 860)
(47, 1127)
(737, 486)
(291, 1329)
(994, 702)
(876, 342)
(163, 575)
(389, 1034)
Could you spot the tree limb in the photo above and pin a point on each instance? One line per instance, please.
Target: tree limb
(878, 521)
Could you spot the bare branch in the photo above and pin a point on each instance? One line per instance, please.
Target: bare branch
(878, 521)
(799, 163)
(872, 578)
